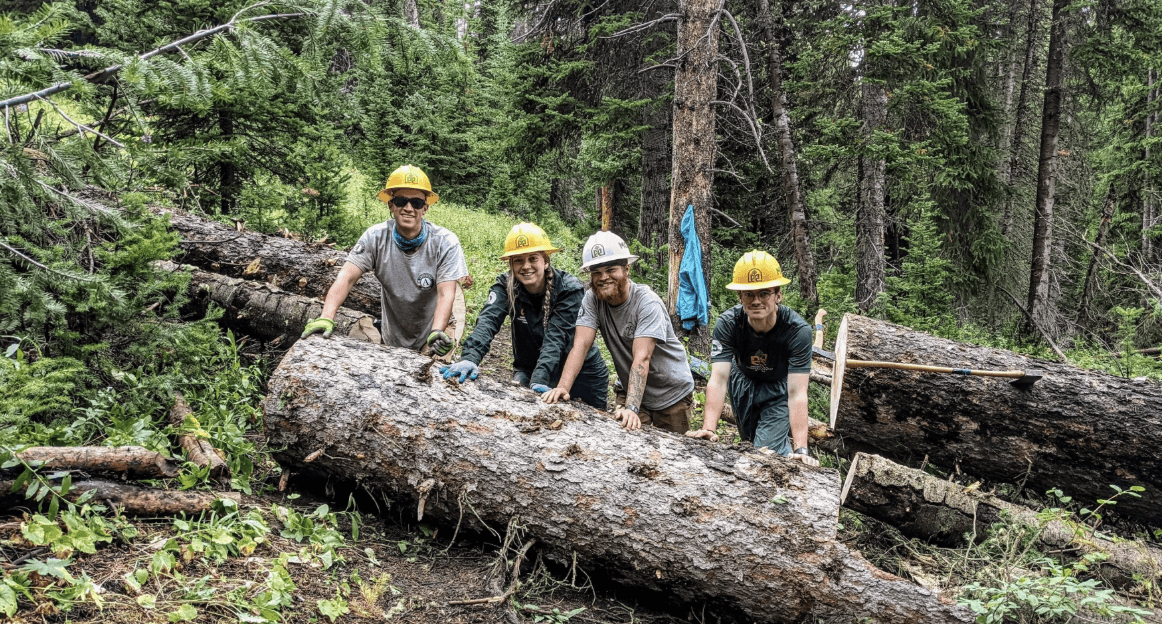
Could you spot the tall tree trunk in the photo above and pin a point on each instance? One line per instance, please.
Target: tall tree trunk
(411, 12)
(869, 220)
(1149, 208)
(1009, 79)
(1017, 139)
(561, 199)
(695, 86)
(790, 177)
(227, 171)
(656, 153)
(1091, 273)
(1046, 174)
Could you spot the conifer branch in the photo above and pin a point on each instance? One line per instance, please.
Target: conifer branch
(80, 126)
(46, 268)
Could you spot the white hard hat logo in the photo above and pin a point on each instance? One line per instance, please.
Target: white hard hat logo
(598, 251)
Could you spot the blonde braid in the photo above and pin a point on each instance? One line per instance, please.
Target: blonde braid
(511, 294)
(548, 294)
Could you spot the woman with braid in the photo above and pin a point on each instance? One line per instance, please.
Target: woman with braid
(543, 303)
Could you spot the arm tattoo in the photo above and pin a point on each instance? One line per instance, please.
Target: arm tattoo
(637, 385)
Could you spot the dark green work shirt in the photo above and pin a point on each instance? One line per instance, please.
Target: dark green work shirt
(535, 350)
(763, 358)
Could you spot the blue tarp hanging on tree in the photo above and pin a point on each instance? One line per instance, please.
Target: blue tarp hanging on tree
(693, 300)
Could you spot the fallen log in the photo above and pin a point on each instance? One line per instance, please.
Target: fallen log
(134, 461)
(263, 311)
(198, 450)
(292, 266)
(1077, 430)
(949, 514)
(130, 499)
(701, 521)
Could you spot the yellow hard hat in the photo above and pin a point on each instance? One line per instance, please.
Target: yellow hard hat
(527, 238)
(756, 270)
(408, 177)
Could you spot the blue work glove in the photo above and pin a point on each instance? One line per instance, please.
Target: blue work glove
(540, 388)
(464, 368)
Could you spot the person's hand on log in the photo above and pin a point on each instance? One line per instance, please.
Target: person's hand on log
(556, 394)
(801, 454)
(540, 388)
(466, 369)
(704, 434)
(324, 325)
(439, 342)
(629, 419)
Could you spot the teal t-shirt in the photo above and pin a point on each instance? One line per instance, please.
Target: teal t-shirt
(763, 358)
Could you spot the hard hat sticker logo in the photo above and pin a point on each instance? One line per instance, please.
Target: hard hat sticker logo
(755, 275)
(598, 251)
(522, 241)
(426, 281)
(410, 179)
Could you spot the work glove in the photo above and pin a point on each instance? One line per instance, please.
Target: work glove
(540, 388)
(439, 342)
(464, 368)
(320, 324)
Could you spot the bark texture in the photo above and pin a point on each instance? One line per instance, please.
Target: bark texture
(1017, 137)
(653, 509)
(787, 156)
(656, 155)
(949, 514)
(134, 461)
(131, 499)
(296, 267)
(264, 311)
(1038, 304)
(1150, 217)
(198, 450)
(1103, 229)
(1075, 429)
(692, 176)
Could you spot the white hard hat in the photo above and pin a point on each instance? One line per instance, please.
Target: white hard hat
(604, 247)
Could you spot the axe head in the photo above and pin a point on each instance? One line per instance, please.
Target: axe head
(1028, 379)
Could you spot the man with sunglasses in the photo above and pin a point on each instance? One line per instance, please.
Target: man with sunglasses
(418, 264)
(762, 354)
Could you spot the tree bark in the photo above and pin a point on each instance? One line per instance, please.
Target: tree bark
(411, 12)
(131, 499)
(1149, 208)
(949, 514)
(656, 156)
(692, 177)
(787, 155)
(1076, 430)
(1017, 140)
(293, 266)
(1046, 172)
(265, 312)
(198, 450)
(869, 221)
(1091, 273)
(134, 461)
(656, 510)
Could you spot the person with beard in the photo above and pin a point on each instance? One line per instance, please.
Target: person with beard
(761, 352)
(543, 302)
(650, 360)
(417, 262)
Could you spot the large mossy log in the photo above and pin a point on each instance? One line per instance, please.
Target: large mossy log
(1078, 430)
(292, 266)
(949, 514)
(264, 311)
(702, 521)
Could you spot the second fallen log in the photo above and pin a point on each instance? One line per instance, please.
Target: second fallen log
(134, 461)
(1078, 430)
(702, 521)
(130, 499)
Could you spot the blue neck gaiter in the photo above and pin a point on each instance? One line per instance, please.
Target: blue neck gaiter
(412, 244)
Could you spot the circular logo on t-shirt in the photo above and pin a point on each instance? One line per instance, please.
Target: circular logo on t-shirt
(357, 249)
(491, 298)
(426, 281)
(715, 348)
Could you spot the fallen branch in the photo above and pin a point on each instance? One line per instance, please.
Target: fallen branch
(1035, 324)
(134, 500)
(198, 450)
(135, 461)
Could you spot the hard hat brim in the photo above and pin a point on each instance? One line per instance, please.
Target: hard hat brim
(549, 249)
(782, 281)
(592, 263)
(385, 195)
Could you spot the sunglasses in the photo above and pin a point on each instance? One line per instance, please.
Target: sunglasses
(416, 202)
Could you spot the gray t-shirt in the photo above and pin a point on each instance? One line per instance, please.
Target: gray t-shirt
(408, 300)
(643, 315)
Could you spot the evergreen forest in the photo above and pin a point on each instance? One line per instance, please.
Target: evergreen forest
(983, 171)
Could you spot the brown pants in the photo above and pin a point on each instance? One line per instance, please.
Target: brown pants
(674, 418)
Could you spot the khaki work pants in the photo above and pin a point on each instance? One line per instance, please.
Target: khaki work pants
(674, 418)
